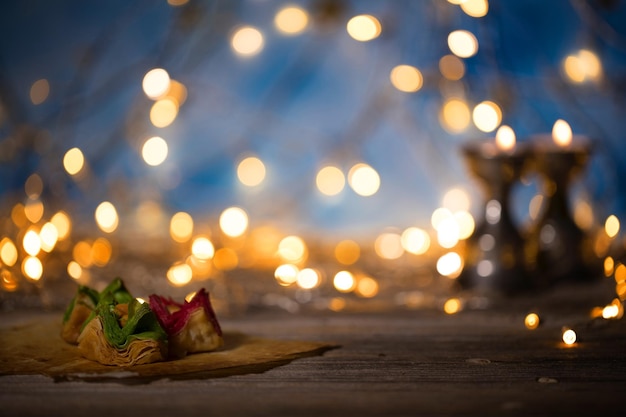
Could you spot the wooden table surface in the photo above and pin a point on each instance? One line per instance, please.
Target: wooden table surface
(388, 363)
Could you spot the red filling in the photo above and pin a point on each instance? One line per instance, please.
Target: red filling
(174, 322)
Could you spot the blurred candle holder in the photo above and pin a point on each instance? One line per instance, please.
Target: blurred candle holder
(495, 259)
(561, 250)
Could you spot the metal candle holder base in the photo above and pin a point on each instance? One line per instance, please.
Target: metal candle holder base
(495, 259)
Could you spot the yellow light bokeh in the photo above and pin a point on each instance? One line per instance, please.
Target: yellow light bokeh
(367, 287)
(154, 151)
(73, 161)
(463, 43)
(406, 78)
(233, 221)
(32, 268)
(450, 265)
(451, 67)
(448, 232)
(291, 20)
(466, 224)
(225, 259)
(439, 215)
(611, 226)
(179, 274)
(33, 210)
(330, 180)
(202, 248)
(364, 180)
(82, 254)
(39, 91)
(347, 252)
(569, 336)
(18, 216)
(620, 273)
(8, 252)
(308, 278)
(181, 227)
(389, 246)
(452, 306)
(364, 27)
(101, 252)
(163, 112)
(74, 270)
(456, 199)
(292, 249)
(475, 8)
(505, 138)
(487, 116)
(49, 236)
(561, 133)
(415, 240)
(455, 115)
(62, 222)
(344, 281)
(156, 83)
(33, 186)
(251, 171)
(286, 274)
(532, 321)
(247, 41)
(582, 67)
(106, 217)
(609, 266)
(31, 242)
(8, 281)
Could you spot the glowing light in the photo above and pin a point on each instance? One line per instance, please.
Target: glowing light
(251, 171)
(156, 83)
(181, 227)
(505, 138)
(448, 233)
(247, 41)
(367, 287)
(154, 151)
(291, 20)
(74, 270)
(33, 186)
(439, 215)
(364, 28)
(406, 78)
(32, 268)
(610, 312)
(8, 281)
(225, 259)
(347, 252)
(179, 274)
(308, 278)
(364, 180)
(456, 199)
(475, 8)
(18, 216)
(330, 180)
(286, 274)
(452, 306)
(452, 67)
(82, 254)
(466, 224)
(292, 249)
(455, 115)
(389, 246)
(33, 210)
(8, 252)
(337, 304)
(574, 69)
(344, 281)
(450, 265)
(49, 236)
(532, 321)
(73, 161)
(202, 248)
(569, 337)
(39, 91)
(462, 43)
(585, 66)
(561, 133)
(163, 112)
(175, 3)
(62, 223)
(620, 273)
(487, 116)
(609, 266)
(101, 252)
(415, 240)
(611, 226)
(31, 243)
(233, 221)
(106, 217)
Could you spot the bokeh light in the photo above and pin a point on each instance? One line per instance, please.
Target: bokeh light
(344, 281)
(450, 265)
(291, 20)
(32, 268)
(106, 217)
(364, 180)
(462, 43)
(286, 274)
(367, 287)
(163, 112)
(487, 116)
(330, 180)
(292, 249)
(415, 240)
(154, 151)
(233, 221)
(251, 171)
(455, 115)
(308, 278)
(31, 242)
(179, 274)
(611, 226)
(39, 91)
(247, 41)
(156, 83)
(389, 246)
(347, 252)
(73, 161)
(364, 28)
(181, 227)
(532, 321)
(475, 8)
(8, 252)
(452, 67)
(406, 78)
(202, 248)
